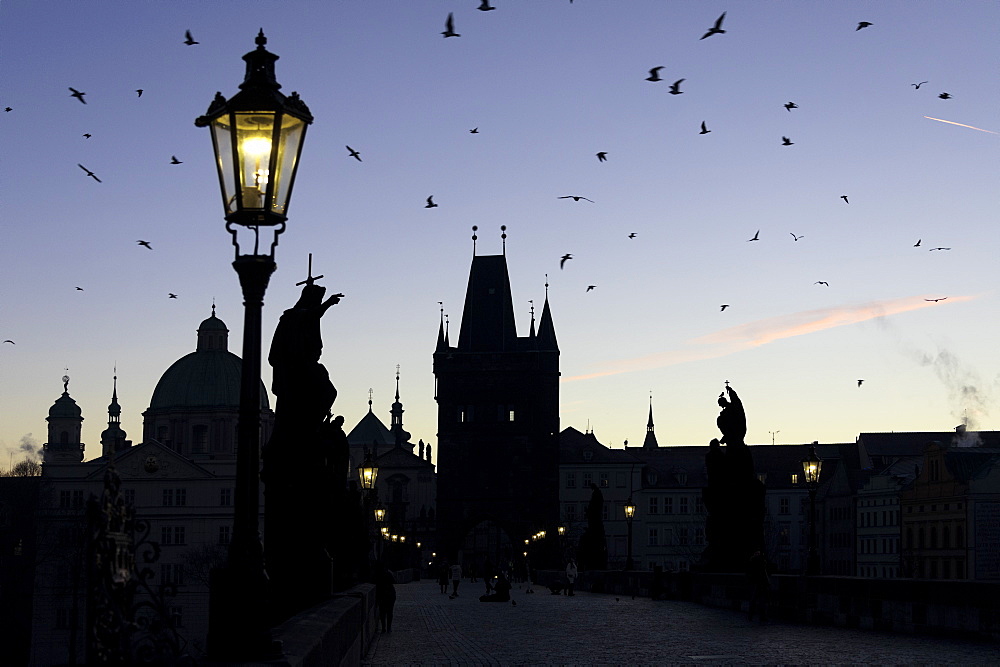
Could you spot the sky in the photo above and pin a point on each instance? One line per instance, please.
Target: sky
(548, 84)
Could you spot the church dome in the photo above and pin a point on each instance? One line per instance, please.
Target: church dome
(209, 377)
(65, 407)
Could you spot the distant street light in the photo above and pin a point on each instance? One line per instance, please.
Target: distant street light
(811, 466)
(629, 514)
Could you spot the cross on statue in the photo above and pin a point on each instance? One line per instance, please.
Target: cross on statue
(727, 381)
(310, 279)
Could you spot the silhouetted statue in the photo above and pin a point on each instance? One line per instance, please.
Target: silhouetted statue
(734, 498)
(304, 462)
(593, 553)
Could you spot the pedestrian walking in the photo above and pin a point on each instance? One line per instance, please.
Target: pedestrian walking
(760, 584)
(456, 579)
(571, 573)
(385, 595)
(443, 573)
(488, 572)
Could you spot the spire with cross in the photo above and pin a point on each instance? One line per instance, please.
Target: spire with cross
(310, 279)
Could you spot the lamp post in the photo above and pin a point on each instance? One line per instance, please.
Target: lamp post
(629, 514)
(368, 475)
(257, 137)
(811, 466)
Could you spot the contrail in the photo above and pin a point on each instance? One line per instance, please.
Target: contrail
(961, 125)
(761, 332)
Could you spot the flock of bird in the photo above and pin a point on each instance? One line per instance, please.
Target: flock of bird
(602, 156)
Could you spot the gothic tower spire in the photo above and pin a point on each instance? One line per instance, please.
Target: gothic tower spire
(650, 441)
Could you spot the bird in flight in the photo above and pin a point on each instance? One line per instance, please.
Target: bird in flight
(821, 282)
(171, 295)
(77, 94)
(943, 96)
(602, 156)
(917, 85)
(917, 244)
(675, 87)
(791, 105)
(79, 289)
(715, 29)
(188, 39)
(475, 130)
(430, 202)
(86, 135)
(632, 235)
(174, 160)
(844, 197)
(785, 141)
(485, 6)
(562, 260)
(933, 249)
(449, 27)
(139, 91)
(89, 172)
(723, 307)
(654, 74)
(590, 287)
(862, 24)
(936, 300)
(859, 382)
(756, 237)
(704, 130)
(145, 244)
(10, 341)
(8, 109)
(353, 153)
(796, 238)
(576, 198)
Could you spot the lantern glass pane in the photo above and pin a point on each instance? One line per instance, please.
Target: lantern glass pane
(222, 141)
(254, 141)
(289, 144)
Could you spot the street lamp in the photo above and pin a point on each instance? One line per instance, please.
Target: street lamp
(629, 513)
(257, 137)
(368, 472)
(379, 513)
(811, 466)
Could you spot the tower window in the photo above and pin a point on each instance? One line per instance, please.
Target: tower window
(510, 415)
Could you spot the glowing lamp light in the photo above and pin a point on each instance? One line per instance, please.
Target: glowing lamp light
(368, 473)
(561, 530)
(629, 508)
(811, 466)
(380, 513)
(257, 136)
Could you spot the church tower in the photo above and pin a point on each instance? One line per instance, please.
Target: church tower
(498, 423)
(65, 423)
(650, 441)
(113, 439)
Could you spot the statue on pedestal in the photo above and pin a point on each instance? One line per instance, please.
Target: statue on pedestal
(304, 462)
(734, 498)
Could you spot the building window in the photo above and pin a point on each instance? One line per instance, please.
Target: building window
(65, 500)
(225, 497)
(785, 535)
(795, 478)
(654, 505)
(682, 536)
(77, 499)
(699, 536)
(620, 480)
(654, 537)
(570, 512)
(225, 534)
(168, 497)
(604, 511)
(668, 505)
(604, 480)
(510, 415)
(571, 480)
(170, 535)
(172, 573)
(199, 438)
(588, 479)
(684, 506)
(783, 506)
(699, 505)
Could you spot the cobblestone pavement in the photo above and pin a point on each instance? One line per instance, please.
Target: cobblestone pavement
(544, 629)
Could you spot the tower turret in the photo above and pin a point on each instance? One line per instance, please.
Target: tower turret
(65, 424)
(113, 439)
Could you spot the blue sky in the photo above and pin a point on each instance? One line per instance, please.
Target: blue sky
(548, 84)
